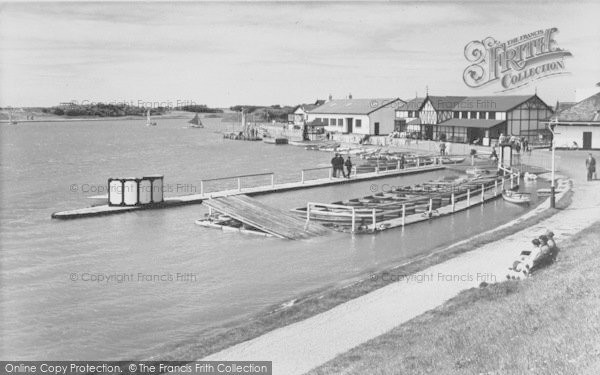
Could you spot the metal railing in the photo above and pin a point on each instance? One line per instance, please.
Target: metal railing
(239, 180)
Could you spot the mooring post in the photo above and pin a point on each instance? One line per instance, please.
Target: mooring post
(308, 212)
(503, 183)
(201, 187)
(239, 184)
(430, 205)
(302, 176)
(272, 180)
(453, 198)
(418, 161)
(374, 219)
(495, 187)
(468, 197)
(512, 181)
(482, 193)
(398, 165)
(353, 219)
(403, 215)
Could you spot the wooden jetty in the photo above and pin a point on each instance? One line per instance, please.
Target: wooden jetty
(270, 187)
(277, 222)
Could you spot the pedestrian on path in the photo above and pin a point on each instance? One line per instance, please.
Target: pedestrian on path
(590, 164)
(348, 164)
(334, 165)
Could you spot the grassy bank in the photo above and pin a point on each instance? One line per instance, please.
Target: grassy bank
(325, 299)
(547, 324)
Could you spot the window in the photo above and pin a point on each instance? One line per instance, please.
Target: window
(340, 122)
(318, 119)
(492, 115)
(464, 114)
(473, 115)
(358, 123)
(456, 115)
(482, 115)
(410, 113)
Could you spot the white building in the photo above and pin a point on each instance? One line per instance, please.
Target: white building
(357, 116)
(578, 125)
(300, 114)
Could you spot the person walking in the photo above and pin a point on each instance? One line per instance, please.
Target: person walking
(348, 164)
(590, 164)
(334, 164)
(442, 148)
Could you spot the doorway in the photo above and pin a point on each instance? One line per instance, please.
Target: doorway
(349, 122)
(587, 140)
(376, 128)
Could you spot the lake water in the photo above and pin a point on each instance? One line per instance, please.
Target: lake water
(48, 167)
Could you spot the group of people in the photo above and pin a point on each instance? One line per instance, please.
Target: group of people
(518, 143)
(544, 251)
(338, 163)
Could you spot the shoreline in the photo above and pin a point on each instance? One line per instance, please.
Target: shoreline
(307, 344)
(322, 299)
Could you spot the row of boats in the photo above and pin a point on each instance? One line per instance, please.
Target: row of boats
(424, 199)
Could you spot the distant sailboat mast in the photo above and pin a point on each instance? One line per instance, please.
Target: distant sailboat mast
(148, 120)
(196, 123)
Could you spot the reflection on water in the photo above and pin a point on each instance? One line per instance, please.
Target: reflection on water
(46, 315)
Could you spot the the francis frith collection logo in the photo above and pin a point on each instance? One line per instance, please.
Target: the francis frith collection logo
(516, 62)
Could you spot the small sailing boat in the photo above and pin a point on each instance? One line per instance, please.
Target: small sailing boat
(149, 121)
(10, 118)
(195, 122)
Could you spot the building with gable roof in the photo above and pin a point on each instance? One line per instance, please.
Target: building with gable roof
(357, 116)
(475, 118)
(578, 125)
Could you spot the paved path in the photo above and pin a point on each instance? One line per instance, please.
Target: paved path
(302, 346)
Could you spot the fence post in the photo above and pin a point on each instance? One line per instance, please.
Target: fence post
(495, 187)
(482, 193)
(468, 197)
(503, 183)
(403, 214)
(512, 181)
(201, 187)
(453, 198)
(353, 219)
(272, 180)
(239, 184)
(430, 205)
(374, 219)
(418, 161)
(302, 176)
(398, 165)
(330, 173)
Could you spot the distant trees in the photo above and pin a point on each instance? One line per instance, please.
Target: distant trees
(104, 110)
(265, 113)
(201, 108)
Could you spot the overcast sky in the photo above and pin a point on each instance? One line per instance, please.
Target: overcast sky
(273, 53)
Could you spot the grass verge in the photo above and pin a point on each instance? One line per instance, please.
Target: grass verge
(547, 324)
(319, 301)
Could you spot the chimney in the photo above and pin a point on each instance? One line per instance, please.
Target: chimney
(350, 96)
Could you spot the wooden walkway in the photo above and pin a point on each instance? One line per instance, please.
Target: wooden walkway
(280, 223)
(265, 189)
